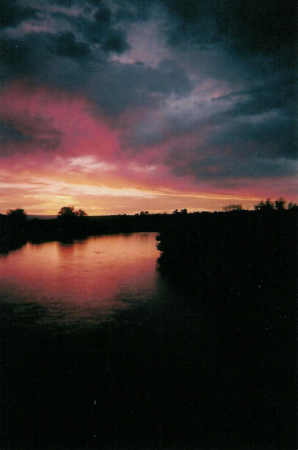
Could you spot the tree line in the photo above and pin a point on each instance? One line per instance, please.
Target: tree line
(66, 212)
(16, 227)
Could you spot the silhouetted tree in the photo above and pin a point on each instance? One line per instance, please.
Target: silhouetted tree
(260, 206)
(14, 230)
(280, 204)
(17, 216)
(264, 206)
(269, 205)
(69, 212)
(81, 213)
(292, 206)
(66, 212)
(72, 221)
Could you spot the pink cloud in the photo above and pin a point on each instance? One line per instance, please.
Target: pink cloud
(66, 152)
(36, 112)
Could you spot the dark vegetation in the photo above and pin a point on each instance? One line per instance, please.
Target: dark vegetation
(13, 230)
(243, 268)
(212, 368)
(16, 228)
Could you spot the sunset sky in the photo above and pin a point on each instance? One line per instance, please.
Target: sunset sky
(118, 106)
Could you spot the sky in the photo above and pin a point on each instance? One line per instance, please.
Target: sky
(118, 106)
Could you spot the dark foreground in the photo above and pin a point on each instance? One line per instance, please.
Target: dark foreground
(214, 368)
(149, 382)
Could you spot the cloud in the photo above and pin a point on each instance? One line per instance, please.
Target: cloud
(121, 86)
(78, 60)
(103, 15)
(243, 133)
(89, 164)
(265, 27)
(67, 45)
(10, 134)
(13, 13)
(203, 92)
(21, 135)
(266, 135)
(46, 121)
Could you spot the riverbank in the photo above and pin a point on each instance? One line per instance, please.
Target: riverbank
(13, 235)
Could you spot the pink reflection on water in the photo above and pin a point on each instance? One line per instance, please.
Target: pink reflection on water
(83, 279)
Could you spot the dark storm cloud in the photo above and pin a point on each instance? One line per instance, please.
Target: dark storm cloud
(27, 56)
(253, 146)
(272, 94)
(70, 35)
(272, 138)
(22, 135)
(13, 13)
(97, 27)
(103, 15)
(115, 43)
(66, 3)
(265, 26)
(9, 133)
(130, 10)
(223, 164)
(264, 117)
(136, 85)
(246, 27)
(245, 48)
(275, 98)
(67, 45)
(14, 53)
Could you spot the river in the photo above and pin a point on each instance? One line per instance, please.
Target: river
(80, 283)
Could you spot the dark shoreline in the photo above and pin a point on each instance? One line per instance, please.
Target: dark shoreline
(14, 235)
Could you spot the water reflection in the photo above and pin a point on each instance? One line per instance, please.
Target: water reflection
(88, 279)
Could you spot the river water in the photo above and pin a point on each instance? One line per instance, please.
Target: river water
(81, 283)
